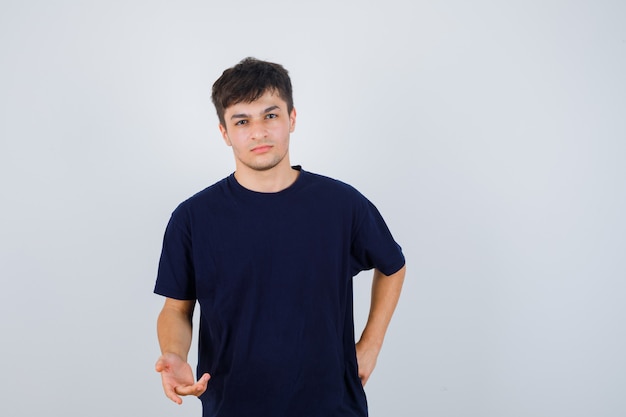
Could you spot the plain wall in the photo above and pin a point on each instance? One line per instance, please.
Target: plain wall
(491, 135)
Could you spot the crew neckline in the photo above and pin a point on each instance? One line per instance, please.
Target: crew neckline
(294, 185)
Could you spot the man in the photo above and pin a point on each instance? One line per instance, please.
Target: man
(269, 254)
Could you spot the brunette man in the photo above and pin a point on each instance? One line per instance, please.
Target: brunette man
(269, 254)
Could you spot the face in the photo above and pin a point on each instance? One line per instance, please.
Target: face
(258, 132)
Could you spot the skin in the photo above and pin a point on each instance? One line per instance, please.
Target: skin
(258, 134)
(174, 333)
(385, 294)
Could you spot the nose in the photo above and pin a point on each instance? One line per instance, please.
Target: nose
(258, 130)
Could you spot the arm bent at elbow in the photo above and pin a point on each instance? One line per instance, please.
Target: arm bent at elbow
(385, 295)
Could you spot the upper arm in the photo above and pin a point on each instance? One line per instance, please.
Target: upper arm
(399, 273)
(182, 307)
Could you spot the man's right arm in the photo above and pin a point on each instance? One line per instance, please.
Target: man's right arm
(174, 327)
(175, 332)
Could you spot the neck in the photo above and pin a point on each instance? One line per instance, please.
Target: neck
(270, 181)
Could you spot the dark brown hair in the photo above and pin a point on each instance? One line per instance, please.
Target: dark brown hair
(248, 81)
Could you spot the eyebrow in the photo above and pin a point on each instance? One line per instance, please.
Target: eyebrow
(245, 116)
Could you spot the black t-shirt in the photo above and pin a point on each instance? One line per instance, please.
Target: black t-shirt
(272, 273)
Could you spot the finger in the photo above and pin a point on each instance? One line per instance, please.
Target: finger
(202, 384)
(185, 390)
(170, 392)
(196, 389)
(204, 379)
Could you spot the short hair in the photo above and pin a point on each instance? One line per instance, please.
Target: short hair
(248, 81)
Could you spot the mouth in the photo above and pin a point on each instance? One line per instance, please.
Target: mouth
(261, 149)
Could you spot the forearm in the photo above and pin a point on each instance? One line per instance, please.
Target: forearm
(174, 329)
(385, 294)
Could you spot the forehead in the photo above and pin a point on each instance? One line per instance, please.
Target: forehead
(267, 100)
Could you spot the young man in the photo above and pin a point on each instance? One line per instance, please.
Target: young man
(269, 254)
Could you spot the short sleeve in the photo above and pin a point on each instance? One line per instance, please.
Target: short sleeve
(373, 246)
(176, 278)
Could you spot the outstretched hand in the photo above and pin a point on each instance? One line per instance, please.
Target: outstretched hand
(177, 378)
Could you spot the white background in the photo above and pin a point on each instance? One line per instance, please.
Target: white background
(491, 135)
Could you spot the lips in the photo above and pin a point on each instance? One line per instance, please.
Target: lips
(261, 148)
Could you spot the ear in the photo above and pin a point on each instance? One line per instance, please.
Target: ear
(225, 135)
(292, 120)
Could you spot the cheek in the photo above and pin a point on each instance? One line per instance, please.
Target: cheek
(235, 139)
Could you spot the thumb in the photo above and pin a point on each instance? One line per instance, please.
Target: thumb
(196, 389)
(162, 364)
(159, 366)
(204, 379)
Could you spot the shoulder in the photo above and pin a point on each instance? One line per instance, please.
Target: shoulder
(202, 200)
(212, 192)
(332, 186)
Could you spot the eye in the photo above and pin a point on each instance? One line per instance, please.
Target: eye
(241, 123)
(271, 116)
